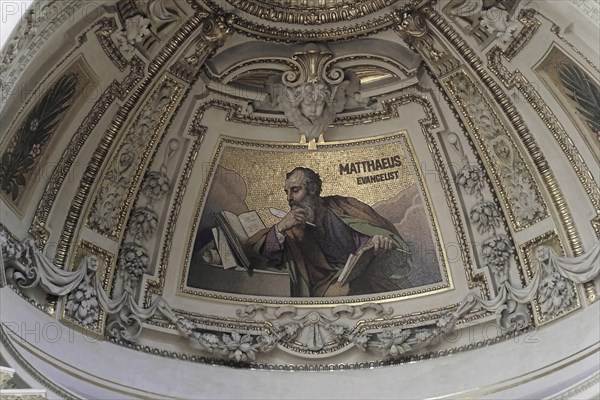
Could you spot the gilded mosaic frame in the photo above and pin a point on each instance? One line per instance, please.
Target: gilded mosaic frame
(233, 298)
(155, 285)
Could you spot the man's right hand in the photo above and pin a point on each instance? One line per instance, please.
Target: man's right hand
(296, 217)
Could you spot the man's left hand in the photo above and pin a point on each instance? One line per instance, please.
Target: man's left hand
(381, 243)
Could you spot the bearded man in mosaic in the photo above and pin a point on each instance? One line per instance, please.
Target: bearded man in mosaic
(315, 238)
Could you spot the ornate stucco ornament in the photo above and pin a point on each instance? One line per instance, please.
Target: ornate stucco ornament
(135, 29)
(214, 32)
(497, 18)
(500, 24)
(305, 332)
(313, 93)
(316, 333)
(412, 28)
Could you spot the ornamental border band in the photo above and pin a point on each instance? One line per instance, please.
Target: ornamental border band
(313, 241)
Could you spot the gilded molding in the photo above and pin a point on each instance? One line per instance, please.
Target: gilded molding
(590, 287)
(213, 34)
(308, 14)
(413, 29)
(116, 90)
(517, 80)
(556, 30)
(530, 27)
(93, 168)
(590, 292)
(494, 141)
(385, 60)
(128, 164)
(596, 225)
(281, 34)
(225, 76)
(428, 123)
(155, 285)
(404, 320)
(107, 27)
(517, 122)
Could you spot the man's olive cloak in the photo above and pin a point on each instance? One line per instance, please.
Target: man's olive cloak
(312, 275)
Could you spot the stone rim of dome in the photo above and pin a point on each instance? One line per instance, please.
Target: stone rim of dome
(348, 20)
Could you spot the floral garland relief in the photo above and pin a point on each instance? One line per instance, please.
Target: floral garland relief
(261, 329)
(317, 333)
(82, 303)
(525, 201)
(497, 248)
(106, 212)
(556, 295)
(134, 258)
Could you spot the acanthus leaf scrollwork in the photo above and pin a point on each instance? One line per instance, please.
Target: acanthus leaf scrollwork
(312, 93)
(487, 21)
(316, 333)
(214, 32)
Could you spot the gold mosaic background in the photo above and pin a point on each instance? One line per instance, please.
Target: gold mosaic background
(264, 171)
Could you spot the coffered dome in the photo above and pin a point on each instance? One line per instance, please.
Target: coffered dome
(301, 185)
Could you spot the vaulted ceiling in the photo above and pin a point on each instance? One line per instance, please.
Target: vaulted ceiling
(145, 146)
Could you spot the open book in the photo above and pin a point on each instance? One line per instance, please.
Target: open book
(393, 264)
(357, 263)
(236, 230)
